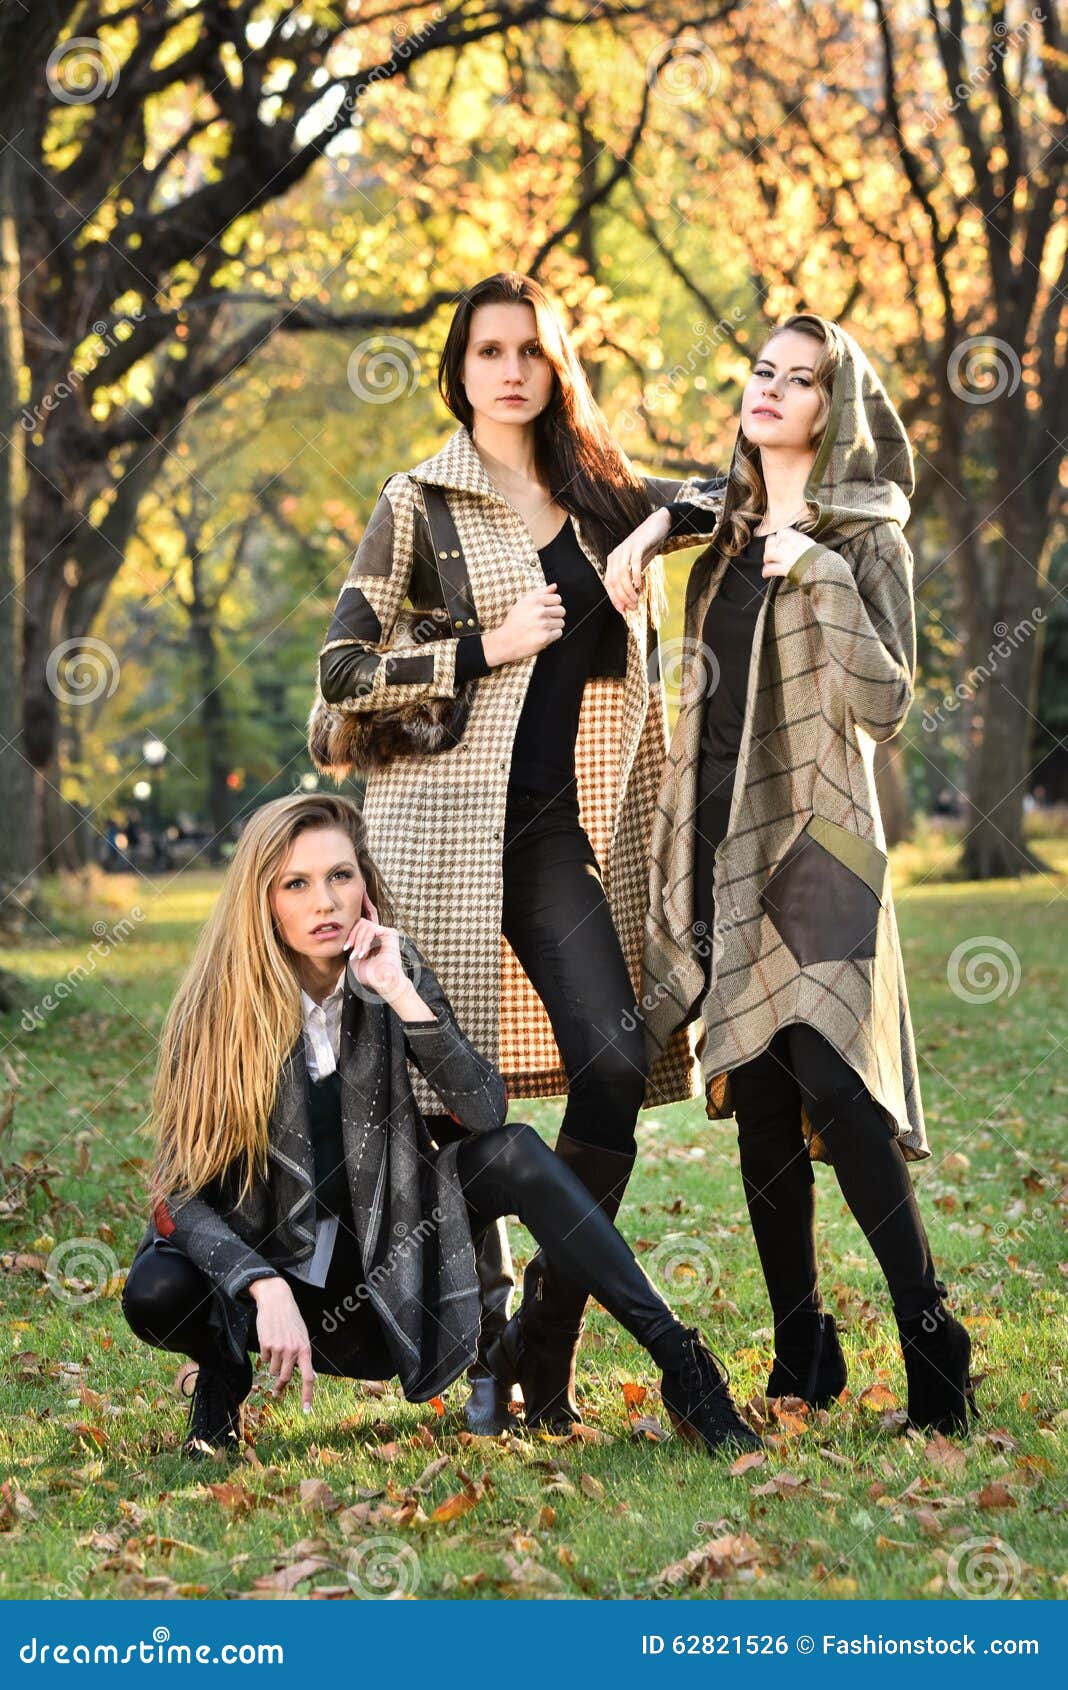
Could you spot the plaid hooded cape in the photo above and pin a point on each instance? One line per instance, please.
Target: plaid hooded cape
(804, 928)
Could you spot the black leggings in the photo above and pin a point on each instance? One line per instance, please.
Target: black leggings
(558, 922)
(507, 1171)
(801, 1066)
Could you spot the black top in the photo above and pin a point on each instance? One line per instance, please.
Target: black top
(727, 636)
(543, 752)
(332, 1195)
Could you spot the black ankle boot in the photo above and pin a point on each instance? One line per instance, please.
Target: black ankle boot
(937, 1351)
(699, 1403)
(215, 1412)
(808, 1361)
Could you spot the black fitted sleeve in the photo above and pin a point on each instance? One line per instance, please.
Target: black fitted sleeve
(470, 658)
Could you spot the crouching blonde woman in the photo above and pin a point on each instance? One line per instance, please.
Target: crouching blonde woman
(302, 1209)
(771, 912)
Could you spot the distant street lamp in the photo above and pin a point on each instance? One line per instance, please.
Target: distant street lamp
(154, 752)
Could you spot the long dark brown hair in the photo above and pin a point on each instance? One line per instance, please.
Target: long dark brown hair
(574, 452)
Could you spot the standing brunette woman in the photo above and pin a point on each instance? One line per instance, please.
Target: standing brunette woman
(302, 1208)
(769, 840)
(519, 854)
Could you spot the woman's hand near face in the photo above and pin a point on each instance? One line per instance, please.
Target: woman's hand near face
(628, 560)
(375, 962)
(283, 1338)
(782, 548)
(534, 621)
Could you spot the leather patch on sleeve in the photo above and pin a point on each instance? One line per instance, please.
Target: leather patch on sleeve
(410, 671)
(354, 618)
(163, 1218)
(374, 555)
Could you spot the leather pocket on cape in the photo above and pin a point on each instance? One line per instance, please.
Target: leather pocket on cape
(824, 895)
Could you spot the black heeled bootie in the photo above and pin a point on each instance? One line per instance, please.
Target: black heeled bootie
(808, 1360)
(699, 1403)
(215, 1419)
(937, 1351)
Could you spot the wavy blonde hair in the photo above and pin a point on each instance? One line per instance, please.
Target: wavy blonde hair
(746, 498)
(236, 1015)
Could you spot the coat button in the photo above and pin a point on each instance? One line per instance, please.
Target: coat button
(470, 621)
(451, 554)
(459, 622)
(443, 554)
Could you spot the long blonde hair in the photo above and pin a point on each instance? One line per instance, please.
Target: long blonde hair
(236, 1015)
(746, 498)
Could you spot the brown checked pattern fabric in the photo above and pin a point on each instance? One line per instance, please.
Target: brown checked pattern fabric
(436, 823)
(805, 929)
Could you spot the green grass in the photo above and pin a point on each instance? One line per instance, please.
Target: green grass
(98, 1503)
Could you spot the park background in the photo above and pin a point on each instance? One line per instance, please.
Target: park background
(230, 236)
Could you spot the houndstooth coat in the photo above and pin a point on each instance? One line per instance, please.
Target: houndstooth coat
(804, 926)
(436, 823)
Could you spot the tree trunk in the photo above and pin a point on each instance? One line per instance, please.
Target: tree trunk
(18, 854)
(1006, 659)
(213, 722)
(892, 790)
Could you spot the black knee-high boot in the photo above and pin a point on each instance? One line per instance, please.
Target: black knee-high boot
(578, 1240)
(551, 1313)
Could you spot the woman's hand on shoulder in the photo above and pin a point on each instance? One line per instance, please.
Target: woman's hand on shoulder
(628, 561)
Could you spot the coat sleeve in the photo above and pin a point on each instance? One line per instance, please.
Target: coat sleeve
(867, 616)
(695, 508)
(357, 667)
(469, 1085)
(195, 1224)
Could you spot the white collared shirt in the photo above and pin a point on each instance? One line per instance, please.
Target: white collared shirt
(322, 1051)
(322, 1029)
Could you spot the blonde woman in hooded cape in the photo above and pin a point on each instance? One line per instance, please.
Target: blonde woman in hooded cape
(771, 917)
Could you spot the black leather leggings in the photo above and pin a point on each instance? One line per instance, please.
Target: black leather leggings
(508, 1171)
(558, 922)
